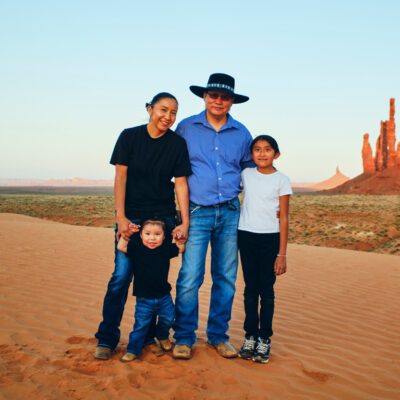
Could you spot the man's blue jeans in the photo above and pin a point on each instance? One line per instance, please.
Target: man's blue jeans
(108, 333)
(146, 311)
(216, 225)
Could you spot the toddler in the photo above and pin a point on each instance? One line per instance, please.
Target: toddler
(151, 254)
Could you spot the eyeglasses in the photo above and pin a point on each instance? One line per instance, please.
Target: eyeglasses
(215, 96)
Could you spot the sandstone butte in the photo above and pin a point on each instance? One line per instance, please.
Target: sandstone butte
(332, 182)
(381, 174)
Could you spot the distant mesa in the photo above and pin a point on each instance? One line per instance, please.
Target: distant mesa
(74, 182)
(381, 173)
(332, 182)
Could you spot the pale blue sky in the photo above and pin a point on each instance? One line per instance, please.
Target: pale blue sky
(319, 75)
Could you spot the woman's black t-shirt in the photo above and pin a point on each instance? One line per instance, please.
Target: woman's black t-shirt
(151, 165)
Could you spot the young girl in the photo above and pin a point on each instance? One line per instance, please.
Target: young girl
(262, 242)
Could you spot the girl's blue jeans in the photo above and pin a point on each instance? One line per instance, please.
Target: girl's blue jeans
(216, 225)
(146, 311)
(108, 333)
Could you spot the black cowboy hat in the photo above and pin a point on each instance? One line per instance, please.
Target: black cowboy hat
(220, 83)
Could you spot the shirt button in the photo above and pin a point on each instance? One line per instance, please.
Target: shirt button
(219, 179)
(220, 194)
(216, 148)
(217, 163)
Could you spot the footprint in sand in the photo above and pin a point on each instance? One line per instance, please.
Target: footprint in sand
(80, 340)
(75, 352)
(317, 376)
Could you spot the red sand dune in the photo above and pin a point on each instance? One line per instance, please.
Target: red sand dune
(336, 326)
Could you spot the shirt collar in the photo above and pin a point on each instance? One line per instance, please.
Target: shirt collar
(230, 123)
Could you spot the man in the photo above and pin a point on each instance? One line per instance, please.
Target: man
(218, 150)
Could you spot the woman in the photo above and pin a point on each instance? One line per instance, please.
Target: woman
(146, 158)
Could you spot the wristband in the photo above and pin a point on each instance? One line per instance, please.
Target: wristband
(281, 255)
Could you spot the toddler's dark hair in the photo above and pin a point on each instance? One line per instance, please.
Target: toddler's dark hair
(160, 96)
(268, 139)
(154, 222)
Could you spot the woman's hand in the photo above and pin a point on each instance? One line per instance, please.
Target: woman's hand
(123, 224)
(180, 233)
(121, 172)
(280, 265)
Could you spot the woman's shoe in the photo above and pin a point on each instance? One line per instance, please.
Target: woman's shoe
(102, 353)
(128, 357)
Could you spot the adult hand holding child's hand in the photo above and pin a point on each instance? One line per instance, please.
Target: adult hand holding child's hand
(125, 228)
(180, 233)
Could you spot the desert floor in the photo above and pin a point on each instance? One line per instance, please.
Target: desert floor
(336, 326)
(351, 222)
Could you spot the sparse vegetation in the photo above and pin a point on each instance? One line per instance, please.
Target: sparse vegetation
(360, 222)
(74, 209)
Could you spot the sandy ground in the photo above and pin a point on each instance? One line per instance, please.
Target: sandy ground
(336, 326)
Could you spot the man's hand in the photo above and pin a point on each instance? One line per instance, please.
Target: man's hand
(180, 233)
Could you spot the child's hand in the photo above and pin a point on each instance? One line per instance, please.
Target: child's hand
(280, 265)
(181, 242)
(133, 228)
(181, 247)
(122, 245)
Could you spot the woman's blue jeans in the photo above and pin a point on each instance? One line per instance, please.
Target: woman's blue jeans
(216, 225)
(108, 333)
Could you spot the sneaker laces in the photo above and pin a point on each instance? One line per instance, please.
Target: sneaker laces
(262, 346)
(248, 344)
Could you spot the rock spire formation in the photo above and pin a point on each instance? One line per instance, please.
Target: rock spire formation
(386, 154)
(368, 159)
(381, 174)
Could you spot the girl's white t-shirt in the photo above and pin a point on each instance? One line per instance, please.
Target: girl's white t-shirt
(261, 200)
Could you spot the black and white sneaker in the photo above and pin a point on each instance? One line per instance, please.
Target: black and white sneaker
(247, 350)
(263, 348)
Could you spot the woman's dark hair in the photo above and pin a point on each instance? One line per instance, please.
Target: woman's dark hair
(160, 96)
(268, 139)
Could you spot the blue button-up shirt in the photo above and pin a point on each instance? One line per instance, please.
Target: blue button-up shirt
(217, 158)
